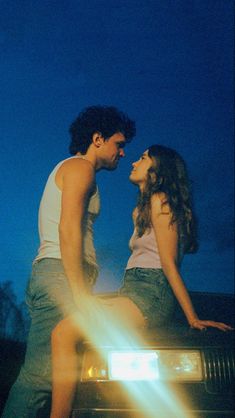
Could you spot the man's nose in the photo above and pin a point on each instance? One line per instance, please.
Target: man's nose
(121, 152)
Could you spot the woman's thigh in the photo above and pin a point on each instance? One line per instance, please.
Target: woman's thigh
(150, 290)
(123, 310)
(102, 320)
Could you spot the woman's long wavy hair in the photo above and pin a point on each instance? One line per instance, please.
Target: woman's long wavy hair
(168, 175)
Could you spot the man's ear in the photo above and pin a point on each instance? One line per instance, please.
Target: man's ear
(97, 139)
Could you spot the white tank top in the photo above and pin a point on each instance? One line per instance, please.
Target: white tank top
(145, 252)
(49, 218)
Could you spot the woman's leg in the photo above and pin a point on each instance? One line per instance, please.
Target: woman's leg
(70, 331)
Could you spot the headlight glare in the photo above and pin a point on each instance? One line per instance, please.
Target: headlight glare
(173, 365)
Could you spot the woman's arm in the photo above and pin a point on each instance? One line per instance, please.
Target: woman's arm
(167, 241)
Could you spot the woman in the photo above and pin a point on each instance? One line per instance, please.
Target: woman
(164, 231)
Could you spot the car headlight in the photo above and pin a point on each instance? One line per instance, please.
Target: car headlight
(175, 365)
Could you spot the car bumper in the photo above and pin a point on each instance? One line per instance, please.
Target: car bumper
(110, 400)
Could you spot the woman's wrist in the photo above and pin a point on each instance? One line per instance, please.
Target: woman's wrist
(193, 322)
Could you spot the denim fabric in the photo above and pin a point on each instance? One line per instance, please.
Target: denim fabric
(149, 289)
(49, 300)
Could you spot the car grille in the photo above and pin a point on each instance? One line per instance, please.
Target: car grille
(219, 369)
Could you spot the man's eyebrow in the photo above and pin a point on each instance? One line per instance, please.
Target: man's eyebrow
(121, 144)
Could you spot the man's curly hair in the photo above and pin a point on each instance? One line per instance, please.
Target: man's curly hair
(107, 120)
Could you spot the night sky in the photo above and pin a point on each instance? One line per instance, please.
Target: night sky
(169, 65)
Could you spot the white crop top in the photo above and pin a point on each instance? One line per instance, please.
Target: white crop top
(145, 252)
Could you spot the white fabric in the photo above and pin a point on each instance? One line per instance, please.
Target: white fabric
(49, 218)
(145, 252)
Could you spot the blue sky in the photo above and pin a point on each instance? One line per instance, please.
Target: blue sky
(169, 65)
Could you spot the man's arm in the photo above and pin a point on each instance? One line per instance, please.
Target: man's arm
(77, 183)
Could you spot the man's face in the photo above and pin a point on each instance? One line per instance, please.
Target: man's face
(111, 151)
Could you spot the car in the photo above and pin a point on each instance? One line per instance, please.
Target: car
(171, 372)
(174, 372)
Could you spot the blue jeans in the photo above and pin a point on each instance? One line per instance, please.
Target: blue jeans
(150, 290)
(49, 300)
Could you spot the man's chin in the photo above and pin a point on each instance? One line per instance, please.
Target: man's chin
(112, 166)
(109, 168)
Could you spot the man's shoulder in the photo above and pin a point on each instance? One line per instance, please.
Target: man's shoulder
(76, 164)
(72, 170)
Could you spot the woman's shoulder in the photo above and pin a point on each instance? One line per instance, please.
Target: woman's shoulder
(159, 199)
(159, 203)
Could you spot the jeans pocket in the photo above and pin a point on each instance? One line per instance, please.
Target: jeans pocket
(54, 291)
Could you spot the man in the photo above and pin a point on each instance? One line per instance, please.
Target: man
(65, 267)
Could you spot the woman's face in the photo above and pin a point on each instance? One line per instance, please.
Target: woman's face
(140, 170)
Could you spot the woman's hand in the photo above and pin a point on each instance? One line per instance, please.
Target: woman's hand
(203, 325)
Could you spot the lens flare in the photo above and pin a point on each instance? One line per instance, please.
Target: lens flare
(105, 333)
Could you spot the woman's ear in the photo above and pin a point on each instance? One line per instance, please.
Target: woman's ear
(152, 176)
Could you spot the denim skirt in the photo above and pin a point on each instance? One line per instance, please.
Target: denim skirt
(150, 290)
